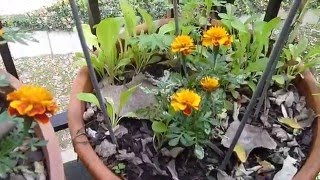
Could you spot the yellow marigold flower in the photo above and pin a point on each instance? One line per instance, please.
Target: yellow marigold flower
(216, 36)
(32, 101)
(185, 100)
(1, 32)
(183, 44)
(209, 83)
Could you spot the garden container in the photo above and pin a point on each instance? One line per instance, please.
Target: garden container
(51, 152)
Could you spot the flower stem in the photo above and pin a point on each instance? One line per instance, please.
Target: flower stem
(26, 126)
(215, 55)
(184, 66)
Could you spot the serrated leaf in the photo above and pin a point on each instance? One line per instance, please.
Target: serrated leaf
(199, 151)
(174, 141)
(88, 97)
(241, 152)
(159, 127)
(290, 122)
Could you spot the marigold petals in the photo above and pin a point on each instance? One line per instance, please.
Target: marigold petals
(185, 100)
(22, 107)
(12, 96)
(216, 36)
(41, 118)
(178, 106)
(52, 108)
(187, 111)
(12, 111)
(37, 109)
(183, 44)
(32, 101)
(209, 83)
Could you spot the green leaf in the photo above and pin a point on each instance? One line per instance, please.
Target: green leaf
(199, 151)
(301, 46)
(258, 66)
(88, 97)
(279, 79)
(174, 141)
(238, 25)
(123, 62)
(148, 20)
(167, 28)
(129, 17)
(4, 116)
(111, 110)
(41, 143)
(108, 33)
(91, 39)
(125, 96)
(290, 122)
(3, 80)
(121, 166)
(159, 127)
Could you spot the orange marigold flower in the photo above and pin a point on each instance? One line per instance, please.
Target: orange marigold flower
(1, 32)
(209, 83)
(32, 101)
(216, 36)
(185, 100)
(183, 44)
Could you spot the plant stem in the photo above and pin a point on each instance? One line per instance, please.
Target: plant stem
(215, 55)
(184, 66)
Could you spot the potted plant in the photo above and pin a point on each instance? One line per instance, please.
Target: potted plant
(27, 149)
(188, 92)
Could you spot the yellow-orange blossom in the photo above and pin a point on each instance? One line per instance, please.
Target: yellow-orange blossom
(183, 44)
(209, 83)
(32, 101)
(185, 100)
(216, 36)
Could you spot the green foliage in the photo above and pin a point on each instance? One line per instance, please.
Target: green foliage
(294, 60)
(119, 168)
(112, 110)
(59, 16)
(10, 153)
(3, 80)
(174, 127)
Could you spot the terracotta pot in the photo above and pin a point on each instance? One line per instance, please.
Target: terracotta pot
(307, 87)
(98, 170)
(51, 151)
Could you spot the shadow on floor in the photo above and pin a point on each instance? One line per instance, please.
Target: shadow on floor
(76, 170)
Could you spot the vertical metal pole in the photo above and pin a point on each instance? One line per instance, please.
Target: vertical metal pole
(93, 76)
(272, 10)
(94, 14)
(6, 57)
(274, 57)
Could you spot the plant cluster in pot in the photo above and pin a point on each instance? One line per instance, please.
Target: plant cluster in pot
(28, 145)
(175, 101)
